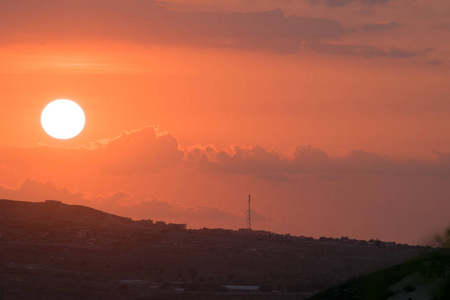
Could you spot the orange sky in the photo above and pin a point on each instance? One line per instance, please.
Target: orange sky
(333, 114)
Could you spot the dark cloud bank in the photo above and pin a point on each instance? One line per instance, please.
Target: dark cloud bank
(150, 23)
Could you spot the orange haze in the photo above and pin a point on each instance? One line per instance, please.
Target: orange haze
(333, 115)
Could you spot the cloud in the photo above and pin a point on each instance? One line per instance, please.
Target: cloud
(434, 62)
(149, 23)
(256, 160)
(367, 51)
(375, 2)
(310, 159)
(340, 3)
(306, 160)
(148, 151)
(361, 194)
(336, 3)
(143, 150)
(359, 161)
(380, 26)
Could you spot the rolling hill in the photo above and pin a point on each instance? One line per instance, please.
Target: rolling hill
(51, 250)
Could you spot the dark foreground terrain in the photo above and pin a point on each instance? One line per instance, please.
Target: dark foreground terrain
(422, 278)
(50, 250)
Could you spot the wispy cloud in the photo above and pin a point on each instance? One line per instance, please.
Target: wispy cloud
(340, 3)
(150, 23)
(384, 26)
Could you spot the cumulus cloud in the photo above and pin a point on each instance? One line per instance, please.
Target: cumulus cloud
(144, 150)
(310, 159)
(256, 160)
(307, 160)
(148, 151)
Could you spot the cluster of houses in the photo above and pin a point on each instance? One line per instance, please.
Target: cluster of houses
(347, 241)
(149, 225)
(160, 225)
(240, 231)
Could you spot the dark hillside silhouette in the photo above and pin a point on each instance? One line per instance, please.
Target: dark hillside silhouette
(52, 249)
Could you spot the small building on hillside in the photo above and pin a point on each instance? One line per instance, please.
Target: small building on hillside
(262, 232)
(148, 222)
(160, 225)
(174, 226)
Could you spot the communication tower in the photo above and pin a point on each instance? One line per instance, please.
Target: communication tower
(249, 219)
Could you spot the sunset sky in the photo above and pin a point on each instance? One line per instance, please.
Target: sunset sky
(333, 114)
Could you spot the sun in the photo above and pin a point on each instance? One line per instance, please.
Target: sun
(63, 119)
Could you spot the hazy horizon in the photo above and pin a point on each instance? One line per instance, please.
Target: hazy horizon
(333, 115)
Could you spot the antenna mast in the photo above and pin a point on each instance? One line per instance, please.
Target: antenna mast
(249, 220)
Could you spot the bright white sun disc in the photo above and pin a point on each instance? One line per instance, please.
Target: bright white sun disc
(63, 119)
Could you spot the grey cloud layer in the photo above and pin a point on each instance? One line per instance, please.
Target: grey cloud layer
(149, 23)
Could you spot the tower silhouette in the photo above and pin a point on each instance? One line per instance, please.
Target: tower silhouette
(249, 219)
